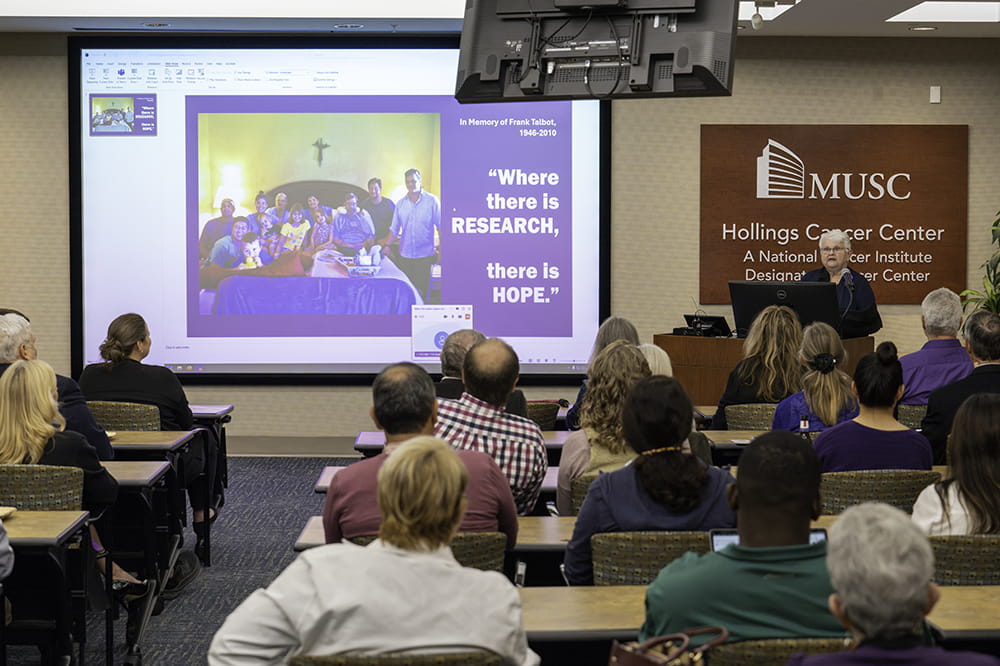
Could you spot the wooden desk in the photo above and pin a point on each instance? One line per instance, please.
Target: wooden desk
(43, 529)
(42, 567)
(215, 418)
(370, 443)
(535, 534)
(583, 613)
(968, 612)
(151, 442)
(326, 476)
(731, 439)
(136, 473)
(703, 365)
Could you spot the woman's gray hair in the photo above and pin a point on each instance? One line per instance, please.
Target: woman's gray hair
(880, 564)
(942, 311)
(14, 332)
(658, 359)
(614, 328)
(836, 236)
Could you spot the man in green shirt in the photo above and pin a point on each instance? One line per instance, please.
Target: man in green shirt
(774, 584)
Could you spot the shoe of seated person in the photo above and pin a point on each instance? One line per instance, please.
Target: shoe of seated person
(186, 569)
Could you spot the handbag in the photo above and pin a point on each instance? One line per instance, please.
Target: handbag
(677, 650)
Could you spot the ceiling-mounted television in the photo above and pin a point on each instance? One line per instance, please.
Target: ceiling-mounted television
(575, 49)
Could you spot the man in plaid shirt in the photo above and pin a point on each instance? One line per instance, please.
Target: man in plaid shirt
(477, 421)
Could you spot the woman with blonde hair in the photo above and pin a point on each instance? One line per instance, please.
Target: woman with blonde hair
(32, 432)
(770, 370)
(404, 592)
(613, 328)
(826, 398)
(600, 446)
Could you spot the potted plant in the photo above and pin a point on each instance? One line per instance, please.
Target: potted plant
(989, 298)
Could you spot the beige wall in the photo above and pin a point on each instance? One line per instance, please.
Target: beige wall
(655, 165)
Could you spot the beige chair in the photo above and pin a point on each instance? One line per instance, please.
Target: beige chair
(751, 416)
(125, 415)
(41, 487)
(476, 550)
(911, 415)
(966, 559)
(771, 651)
(477, 658)
(578, 488)
(543, 413)
(897, 487)
(635, 558)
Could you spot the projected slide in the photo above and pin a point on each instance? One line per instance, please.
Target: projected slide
(287, 210)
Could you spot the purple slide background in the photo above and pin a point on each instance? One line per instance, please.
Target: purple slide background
(467, 155)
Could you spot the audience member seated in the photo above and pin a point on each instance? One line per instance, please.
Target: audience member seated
(216, 228)
(124, 378)
(613, 328)
(404, 592)
(477, 421)
(33, 432)
(942, 360)
(658, 359)
(600, 446)
(968, 501)
(404, 407)
(665, 488)
(770, 370)
(453, 352)
(874, 439)
(774, 584)
(228, 251)
(982, 340)
(826, 398)
(881, 568)
(17, 341)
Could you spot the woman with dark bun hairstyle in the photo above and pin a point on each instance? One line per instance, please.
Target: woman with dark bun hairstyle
(123, 377)
(874, 439)
(826, 398)
(665, 488)
(968, 501)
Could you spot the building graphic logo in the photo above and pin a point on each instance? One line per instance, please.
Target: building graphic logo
(781, 174)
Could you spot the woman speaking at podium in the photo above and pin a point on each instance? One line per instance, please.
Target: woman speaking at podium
(858, 312)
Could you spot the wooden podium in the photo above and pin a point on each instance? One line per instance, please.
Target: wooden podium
(703, 365)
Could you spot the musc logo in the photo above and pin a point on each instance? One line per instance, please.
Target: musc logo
(781, 174)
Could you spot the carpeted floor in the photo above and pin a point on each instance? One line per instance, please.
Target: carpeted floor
(267, 504)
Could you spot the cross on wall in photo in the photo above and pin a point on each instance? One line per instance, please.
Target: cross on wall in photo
(320, 146)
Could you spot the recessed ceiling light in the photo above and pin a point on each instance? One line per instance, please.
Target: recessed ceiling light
(348, 26)
(922, 28)
(768, 12)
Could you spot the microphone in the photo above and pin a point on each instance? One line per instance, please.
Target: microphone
(848, 280)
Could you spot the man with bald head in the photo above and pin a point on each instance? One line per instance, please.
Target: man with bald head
(453, 352)
(477, 421)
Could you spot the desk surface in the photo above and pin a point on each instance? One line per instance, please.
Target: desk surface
(136, 473)
(968, 611)
(534, 533)
(583, 613)
(326, 476)
(151, 440)
(376, 438)
(33, 529)
(731, 438)
(602, 613)
(210, 411)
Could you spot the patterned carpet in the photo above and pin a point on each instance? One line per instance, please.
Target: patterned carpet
(267, 503)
